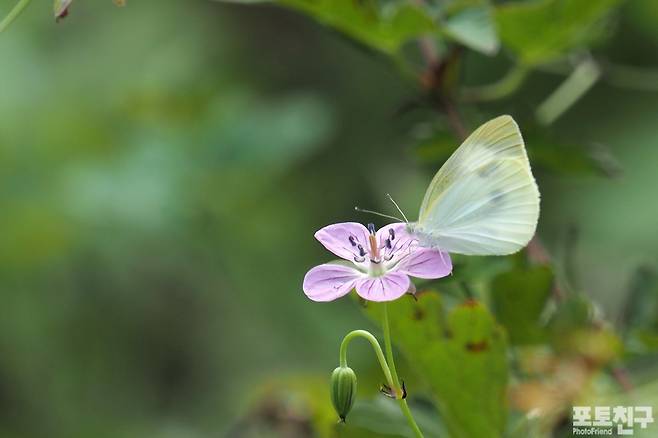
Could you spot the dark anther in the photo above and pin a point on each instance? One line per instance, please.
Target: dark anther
(362, 252)
(404, 391)
(352, 240)
(387, 391)
(391, 232)
(371, 228)
(388, 244)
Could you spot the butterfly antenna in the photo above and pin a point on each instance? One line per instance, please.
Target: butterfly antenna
(362, 210)
(398, 207)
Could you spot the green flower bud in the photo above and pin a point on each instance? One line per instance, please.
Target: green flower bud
(343, 390)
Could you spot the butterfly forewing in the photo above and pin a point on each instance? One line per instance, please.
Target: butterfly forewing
(484, 200)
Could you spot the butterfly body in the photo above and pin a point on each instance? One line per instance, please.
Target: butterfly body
(484, 199)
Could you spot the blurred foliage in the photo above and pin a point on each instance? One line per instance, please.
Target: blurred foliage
(164, 168)
(382, 28)
(541, 31)
(462, 356)
(528, 288)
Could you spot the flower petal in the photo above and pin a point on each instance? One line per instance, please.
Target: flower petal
(388, 287)
(426, 263)
(329, 281)
(336, 238)
(399, 242)
(400, 233)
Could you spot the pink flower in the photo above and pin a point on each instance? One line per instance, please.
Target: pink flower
(379, 263)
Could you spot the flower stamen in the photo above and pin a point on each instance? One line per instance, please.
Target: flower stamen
(374, 248)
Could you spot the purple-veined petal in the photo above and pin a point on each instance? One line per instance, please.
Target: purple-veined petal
(400, 233)
(395, 242)
(388, 287)
(426, 263)
(336, 238)
(329, 281)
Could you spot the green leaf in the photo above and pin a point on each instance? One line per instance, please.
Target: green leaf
(642, 304)
(381, 416)
(475, 28)
(640, 314)
(541, 31)
(518, 299)
(643, 16)
(571, 159)
(575, 331)
(573, 313)
(462, 356)
(382, 28)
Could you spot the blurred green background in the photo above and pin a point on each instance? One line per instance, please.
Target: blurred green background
(163, 168)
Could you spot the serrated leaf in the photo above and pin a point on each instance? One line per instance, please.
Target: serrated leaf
(518, 299)
(541, 31)
(474, 28)
(462, 356)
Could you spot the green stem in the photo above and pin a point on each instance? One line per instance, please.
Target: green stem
(498, 90)
(375, 346)
(396, 382)
(573, 88)
(389, 353)
(15, 12)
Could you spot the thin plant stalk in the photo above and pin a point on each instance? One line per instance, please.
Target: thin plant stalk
(375, 346)
(11, 16)
(396, 381)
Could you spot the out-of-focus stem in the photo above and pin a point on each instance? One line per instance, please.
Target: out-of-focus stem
(573, 88)
(15, 12)
(503, 88)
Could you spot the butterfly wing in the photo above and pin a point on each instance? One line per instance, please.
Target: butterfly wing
(484, 199)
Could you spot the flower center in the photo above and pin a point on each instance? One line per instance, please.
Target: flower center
(374, 248)
(375, 269)
(373, 257)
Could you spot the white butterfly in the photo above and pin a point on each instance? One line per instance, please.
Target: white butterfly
(484, 199)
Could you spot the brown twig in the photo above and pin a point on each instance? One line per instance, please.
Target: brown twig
(454, 118)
